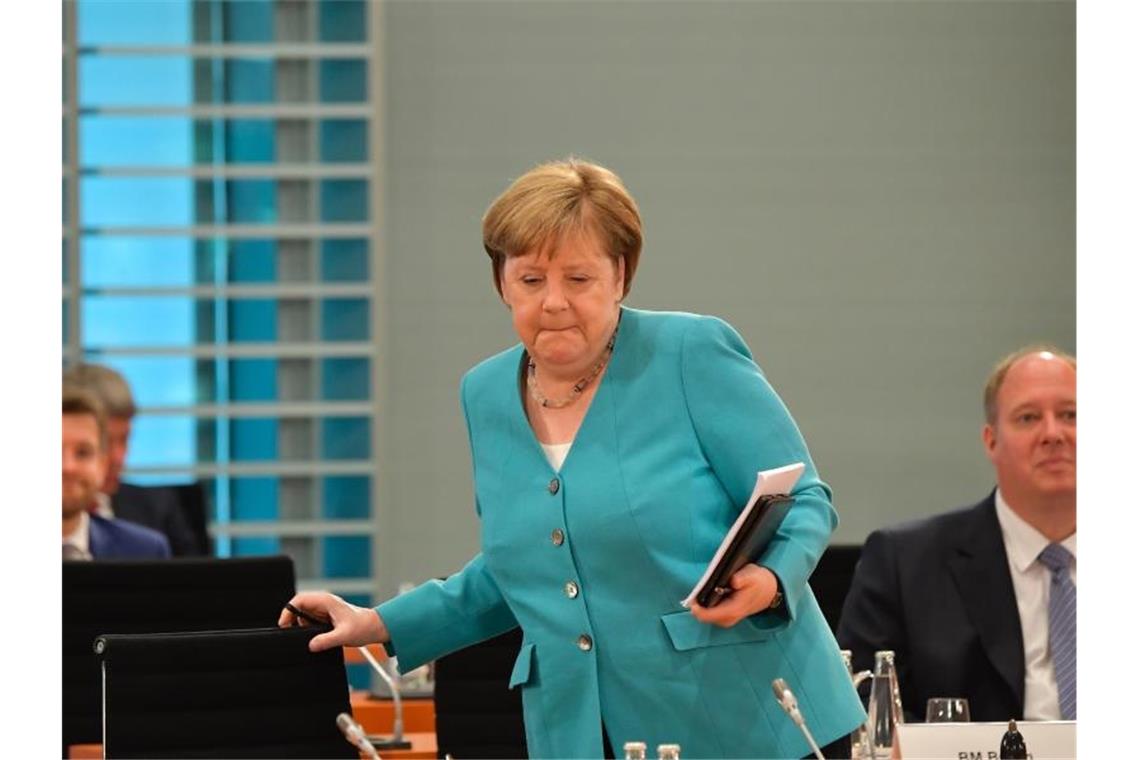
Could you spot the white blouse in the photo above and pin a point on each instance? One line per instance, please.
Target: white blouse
(556, 453)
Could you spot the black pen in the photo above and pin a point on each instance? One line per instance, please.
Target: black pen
(299, 615)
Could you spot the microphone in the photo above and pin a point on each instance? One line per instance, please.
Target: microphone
(788, 702)
(397, 741)
(355, 735)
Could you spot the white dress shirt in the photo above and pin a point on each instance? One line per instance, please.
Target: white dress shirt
(80, 538)
(103, 505)
(1031, 579)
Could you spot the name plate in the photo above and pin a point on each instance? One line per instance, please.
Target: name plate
(1045, 740)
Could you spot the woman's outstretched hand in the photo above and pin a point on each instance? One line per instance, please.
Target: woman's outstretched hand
(753, 589)
(352, 626)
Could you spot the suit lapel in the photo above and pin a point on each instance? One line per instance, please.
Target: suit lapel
(97, 537)
(981, 572)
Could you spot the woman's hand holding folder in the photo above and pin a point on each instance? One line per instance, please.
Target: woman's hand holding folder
(754, 589)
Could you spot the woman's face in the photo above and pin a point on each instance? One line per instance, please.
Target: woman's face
(564, 303)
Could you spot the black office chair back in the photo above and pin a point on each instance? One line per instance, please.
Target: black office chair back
(110, 597)
(231, 694)
(831, 579)
(476, 715)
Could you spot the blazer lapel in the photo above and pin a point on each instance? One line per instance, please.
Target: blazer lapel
(96, 537)
(981, 572)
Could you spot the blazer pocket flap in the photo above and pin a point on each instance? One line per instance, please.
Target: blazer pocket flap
(686, 632)
(520, 674)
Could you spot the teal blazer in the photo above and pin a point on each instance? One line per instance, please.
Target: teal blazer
(593, 561)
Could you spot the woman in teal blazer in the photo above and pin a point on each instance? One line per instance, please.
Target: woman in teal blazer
(591, 547)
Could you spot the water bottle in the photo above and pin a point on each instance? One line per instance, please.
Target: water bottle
(884, 712)
(860, 744)
(668, 752)
(634, 750)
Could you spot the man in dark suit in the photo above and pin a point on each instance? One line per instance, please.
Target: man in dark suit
(980, 602)
(158, 507)
(87, 536)
(153, 507)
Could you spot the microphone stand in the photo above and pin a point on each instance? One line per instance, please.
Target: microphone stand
(397, 741)
(787, 701)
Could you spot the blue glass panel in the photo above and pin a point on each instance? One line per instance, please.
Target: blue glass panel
(249, 81)
(344, 260)
(137, 321)
(63, 322)
(157, 380)
(117, 262)
(253, 261)
(134, 22)
(343, 81)
(346, 556)
(255, 546)
(344, 319)
(127, 81)
(137, 201)
(162, 440)
(253, 379)
(251, 141)
(345, 438)
(212, 499)
(342, 21)
(360, 600)
(359, 675)
(162, 479)
(252, 201)
(343, 140)
(253, 319)
(346, 497)
(254, 499)
(253, 439)
(344, 200)
(249, 21)
(117, 140)
(345, 379)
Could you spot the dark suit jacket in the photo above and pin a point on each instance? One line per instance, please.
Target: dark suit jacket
(157, 508)
(119, 539)
(938, 592)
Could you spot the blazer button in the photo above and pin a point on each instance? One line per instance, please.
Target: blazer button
(571, 589)
(553, 487)
(557, 536)
(585, 643)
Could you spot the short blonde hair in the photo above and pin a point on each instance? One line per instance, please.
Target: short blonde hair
(108, 385)
(563, 198)
(1001, 369)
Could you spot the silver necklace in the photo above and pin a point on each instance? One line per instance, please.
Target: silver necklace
(576, 391)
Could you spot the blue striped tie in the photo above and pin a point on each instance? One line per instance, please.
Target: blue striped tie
(1062, 626)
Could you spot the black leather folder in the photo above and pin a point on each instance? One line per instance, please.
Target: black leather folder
(747, 545)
